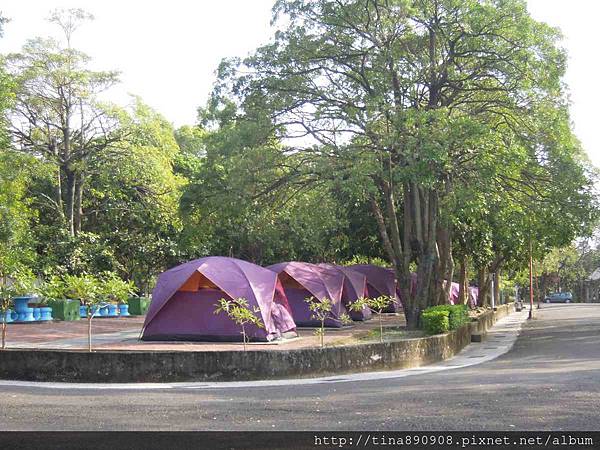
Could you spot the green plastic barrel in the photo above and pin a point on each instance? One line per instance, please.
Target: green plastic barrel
(65, 309)
(138, 305)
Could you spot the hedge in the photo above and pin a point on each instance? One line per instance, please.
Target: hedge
(435, 322)
(458, 315)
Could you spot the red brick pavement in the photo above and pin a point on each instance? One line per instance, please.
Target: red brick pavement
(47, 332)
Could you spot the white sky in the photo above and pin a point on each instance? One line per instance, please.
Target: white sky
(168, 51)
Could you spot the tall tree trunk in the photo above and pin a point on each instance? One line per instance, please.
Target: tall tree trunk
(428, 258)
(70, 181)
(379, 218)
(58, 193)
(446, 266)
(482, 283)
(4, 329)
(78, 206)
(463, 281)
(497, 286)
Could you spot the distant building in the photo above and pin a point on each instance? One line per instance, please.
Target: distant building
(591, 292)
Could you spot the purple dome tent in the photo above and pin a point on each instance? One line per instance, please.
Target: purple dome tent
(380, 281)
(355, 287)
(454, 293)
(473, 296)
(184, 299)
(302, 280)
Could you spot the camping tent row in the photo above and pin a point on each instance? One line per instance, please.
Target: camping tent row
(185, 297)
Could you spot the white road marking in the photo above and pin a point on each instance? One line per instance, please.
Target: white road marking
(504, 334)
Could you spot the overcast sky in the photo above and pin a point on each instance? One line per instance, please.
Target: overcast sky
(167, 52)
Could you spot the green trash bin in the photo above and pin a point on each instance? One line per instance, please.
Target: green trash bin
(138, 305)
(65, 309)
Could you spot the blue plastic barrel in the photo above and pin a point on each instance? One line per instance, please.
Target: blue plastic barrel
(26, 315)
(21, 304)
(112, 311)
(46, 313)
(124, 310)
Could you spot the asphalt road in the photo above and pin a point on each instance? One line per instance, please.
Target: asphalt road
(550, 380)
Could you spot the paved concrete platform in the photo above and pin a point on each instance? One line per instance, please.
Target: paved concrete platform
(123, 333)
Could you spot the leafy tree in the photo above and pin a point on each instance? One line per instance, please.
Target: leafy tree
(398, 99)
(240, 312)
(236, 204)
(322, 310)
(134, 197)
(375, 305)
(57, 116)
(53, 288)
(16, 213)
(84, 288)
(114, 289)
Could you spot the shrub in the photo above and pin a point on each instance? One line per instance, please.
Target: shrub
(458, 315)
(435, 322)
(53, 289)
(114, 289)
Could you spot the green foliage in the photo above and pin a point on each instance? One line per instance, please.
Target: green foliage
(360, 259)
(84, 253)
(236, 204)
(84, 288)
(54, 288)
(240, 312)
(441, 111)
(136, 198)
(458, 315)
(18, 283)
(435, 322)
(376, 305)
(348, 108)
(16, 212)
(23, 282)
(322, 310)
(114, 289)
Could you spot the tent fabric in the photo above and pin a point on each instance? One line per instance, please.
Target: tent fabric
(473, 296)
(303, 280)
(454, 292)
(355, 287)
(183, 301)
(380, 281)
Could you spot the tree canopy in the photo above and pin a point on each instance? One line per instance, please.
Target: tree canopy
(430, 135)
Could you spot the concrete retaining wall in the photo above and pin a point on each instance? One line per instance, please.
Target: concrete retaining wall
(154, 366)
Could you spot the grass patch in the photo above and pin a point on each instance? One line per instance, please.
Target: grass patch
(391, 334)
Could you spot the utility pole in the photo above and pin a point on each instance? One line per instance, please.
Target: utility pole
(493, 290)
(530, 280)
(537, 286)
